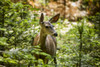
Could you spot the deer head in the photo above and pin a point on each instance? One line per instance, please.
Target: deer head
(46, 26)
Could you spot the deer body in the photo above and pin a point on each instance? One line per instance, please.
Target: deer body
(46, 38)
(48, 43)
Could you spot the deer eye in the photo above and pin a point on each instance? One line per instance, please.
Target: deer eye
(47, 26)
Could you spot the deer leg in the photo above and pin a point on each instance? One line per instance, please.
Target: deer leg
(45, 61)
(36, 63)
(36, 58)
(55, 61)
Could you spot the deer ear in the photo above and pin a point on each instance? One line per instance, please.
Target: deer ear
(55, 18)
(41, 18)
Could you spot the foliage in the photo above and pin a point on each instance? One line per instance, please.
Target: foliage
(92, 6)
(95, 19)
(19, 26)
(16, 25)
(69, 43)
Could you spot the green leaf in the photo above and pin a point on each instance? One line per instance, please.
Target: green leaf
(3, 29)
(3, 41)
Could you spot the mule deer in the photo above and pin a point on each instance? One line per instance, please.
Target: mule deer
(46, 39)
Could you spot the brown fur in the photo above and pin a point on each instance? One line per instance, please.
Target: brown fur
(50, 44)
(46, 39)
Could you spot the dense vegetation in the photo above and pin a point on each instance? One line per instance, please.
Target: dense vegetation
(78, 42)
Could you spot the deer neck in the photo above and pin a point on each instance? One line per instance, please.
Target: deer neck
(42, 39)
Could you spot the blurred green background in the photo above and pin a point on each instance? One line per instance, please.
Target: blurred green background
(78, 41)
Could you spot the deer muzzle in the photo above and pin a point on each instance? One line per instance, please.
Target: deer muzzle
(55, 34)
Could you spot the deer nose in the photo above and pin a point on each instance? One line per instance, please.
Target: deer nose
(55, 34)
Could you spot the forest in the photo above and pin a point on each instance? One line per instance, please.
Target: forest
(68, 33)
